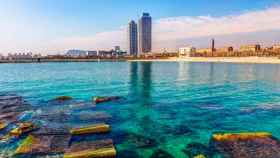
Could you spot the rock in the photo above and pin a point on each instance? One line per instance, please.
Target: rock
(93, 129)
(248, 145)
(63, 98)
(22, 129)
(5, 138)
(98, 100)
(141, 141)
(161, 154)
(11, 116)
(178, 130)
(93, 149)
(3, 125)
(58, 117)
(52, 131)
(198, 149)
(43, 144)
(200, 156)
(240, 136)
(86, 116)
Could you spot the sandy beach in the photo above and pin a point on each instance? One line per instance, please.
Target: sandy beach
(247, 60)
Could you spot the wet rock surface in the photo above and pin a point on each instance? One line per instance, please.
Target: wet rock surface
(100, 148)
(43, 144)
(11, 106)
(102, 99)
(258, 147)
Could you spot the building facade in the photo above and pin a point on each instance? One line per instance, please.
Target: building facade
(132, 38)
(145, 33)
(250, 48)
(186, 51)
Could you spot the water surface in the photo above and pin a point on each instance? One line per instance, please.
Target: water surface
(166, 105)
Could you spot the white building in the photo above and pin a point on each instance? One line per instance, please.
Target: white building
(186, 51)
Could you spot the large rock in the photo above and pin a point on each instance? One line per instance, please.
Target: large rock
(43, 145)
(63, 98)
(22, 128)
(3, 125)
(246, 145)
(93, 129)
(98, 99)
(93, 149)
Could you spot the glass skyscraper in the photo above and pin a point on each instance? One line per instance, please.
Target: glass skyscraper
(132, 38)
(145, 33)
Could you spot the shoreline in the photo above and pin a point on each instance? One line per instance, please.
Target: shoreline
(244, 60)
(241, 60)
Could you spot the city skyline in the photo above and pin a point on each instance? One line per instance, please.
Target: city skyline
(45, 27)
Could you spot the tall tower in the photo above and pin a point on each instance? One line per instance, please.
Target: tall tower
(145, 33)
(213, 46)
(132, 38)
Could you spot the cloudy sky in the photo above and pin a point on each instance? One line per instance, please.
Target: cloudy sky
(50, 26)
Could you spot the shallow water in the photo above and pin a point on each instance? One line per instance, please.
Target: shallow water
(166, 105)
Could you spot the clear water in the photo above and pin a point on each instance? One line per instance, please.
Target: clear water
(166, 105)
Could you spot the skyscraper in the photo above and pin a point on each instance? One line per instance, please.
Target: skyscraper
(132, 38)
(145, 33)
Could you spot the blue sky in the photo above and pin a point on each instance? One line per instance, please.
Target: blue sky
(37, 24)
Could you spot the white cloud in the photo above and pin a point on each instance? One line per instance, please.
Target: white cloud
(177, 31)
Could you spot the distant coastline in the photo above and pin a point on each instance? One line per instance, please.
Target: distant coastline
(248, 60)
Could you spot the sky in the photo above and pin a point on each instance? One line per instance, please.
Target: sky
(52, 26)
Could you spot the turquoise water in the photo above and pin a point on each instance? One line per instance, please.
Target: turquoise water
(165, 105)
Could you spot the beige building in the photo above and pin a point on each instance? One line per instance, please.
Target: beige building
(225, 49)
(250, 48)
(186, 51)
(276, 47)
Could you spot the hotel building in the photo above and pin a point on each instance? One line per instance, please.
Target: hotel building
(132, 38)
(145, 33)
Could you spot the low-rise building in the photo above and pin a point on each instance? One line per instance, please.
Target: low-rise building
(250, 48)
(20, 56)
(76, 53)
(276, 47)
(92, 53)
(225, 49)
(186, 51)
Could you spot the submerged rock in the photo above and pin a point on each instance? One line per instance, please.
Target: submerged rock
(93, 129)
(198, 150)
(63, 98)
(141, 141)
(88, 116)
(161, 154)
(178, 130)
(94, 149)
(99, 99)
(247, 145)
